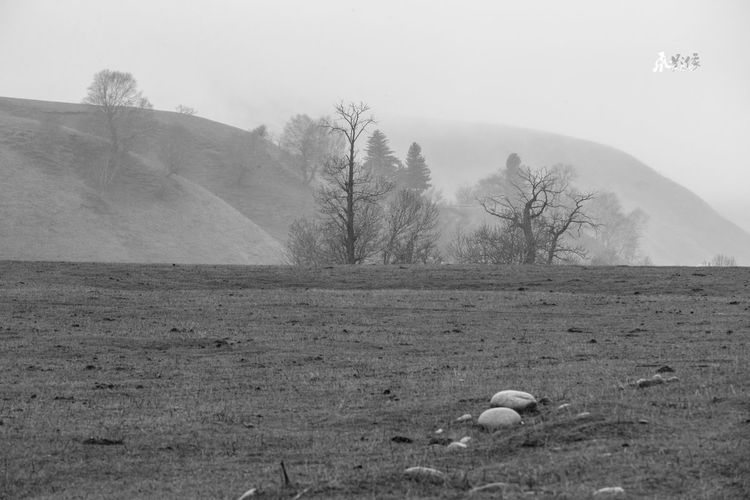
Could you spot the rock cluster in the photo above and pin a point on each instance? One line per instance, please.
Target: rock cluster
(657, 379)
(506, 408)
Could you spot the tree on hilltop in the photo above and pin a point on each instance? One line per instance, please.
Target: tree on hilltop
(125, 113)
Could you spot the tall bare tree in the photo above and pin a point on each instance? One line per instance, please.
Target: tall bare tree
(349, 200)
(123, 108)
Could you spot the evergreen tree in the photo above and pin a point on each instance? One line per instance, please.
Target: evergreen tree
(417, 173)
(380, 159)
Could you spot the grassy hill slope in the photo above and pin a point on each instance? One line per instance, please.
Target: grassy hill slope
(682, 228)
(52, 209)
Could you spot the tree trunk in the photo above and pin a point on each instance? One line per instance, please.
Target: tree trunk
(528, 234)
(350, 236)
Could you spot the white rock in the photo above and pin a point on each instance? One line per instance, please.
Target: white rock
(249, 493)
(583, 414)
(439, 431)
(610, 491)
(516, 400)
(563, 406)
(456, 446)
(465, 440)
(464, 418)
(672, 379)
(427, 474)
(497, 418)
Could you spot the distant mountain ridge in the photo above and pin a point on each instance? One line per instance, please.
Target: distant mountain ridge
(682, 228)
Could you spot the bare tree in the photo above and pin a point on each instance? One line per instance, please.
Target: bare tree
(306, 245)
(721, 260)
(309, 144)
(541, 205)
(123, 107)
(349, 200)
(616, 238)
(410, 229)
(568, 215)
(185, 110)
(488, 244)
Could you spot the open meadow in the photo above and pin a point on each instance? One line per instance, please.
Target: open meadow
(161, 381)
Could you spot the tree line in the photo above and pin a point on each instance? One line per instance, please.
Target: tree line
(374, 208)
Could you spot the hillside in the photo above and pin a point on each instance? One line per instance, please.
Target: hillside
(52, 209)
(682, 228)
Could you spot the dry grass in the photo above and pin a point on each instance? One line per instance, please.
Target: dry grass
(196, 382)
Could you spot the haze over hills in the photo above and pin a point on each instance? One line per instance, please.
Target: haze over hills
(232, 198)
(682, 228)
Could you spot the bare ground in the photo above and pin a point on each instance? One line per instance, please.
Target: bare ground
(126, 381)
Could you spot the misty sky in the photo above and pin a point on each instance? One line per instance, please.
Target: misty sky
(580, 68)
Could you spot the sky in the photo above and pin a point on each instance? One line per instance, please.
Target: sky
(582, 68)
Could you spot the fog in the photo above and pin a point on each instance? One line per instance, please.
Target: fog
(580, 68)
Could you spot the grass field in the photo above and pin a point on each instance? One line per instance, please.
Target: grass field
(125, 381)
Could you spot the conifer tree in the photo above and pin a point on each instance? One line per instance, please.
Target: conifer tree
(380, 159)
(417, 173)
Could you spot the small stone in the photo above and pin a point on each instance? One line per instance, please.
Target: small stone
(425, 474)
(665, 369)
(498, 418)
(649, 382)
(465, 440)
(610, 491)
(456, 446)
(439, 431)
(466, 417)
(583, 414)
(643, 421)
(545, 401)
(563, 406)
(672, 379)
(515, 400)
